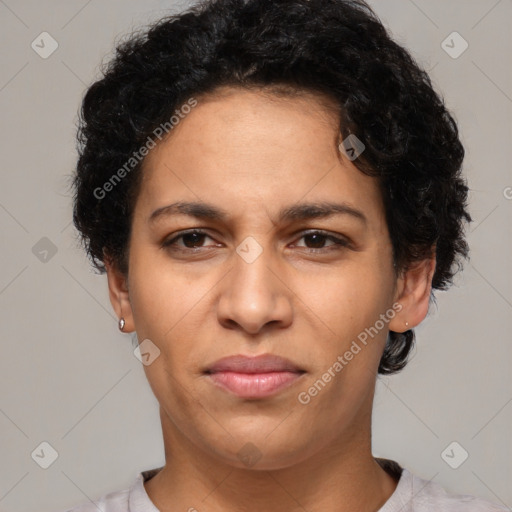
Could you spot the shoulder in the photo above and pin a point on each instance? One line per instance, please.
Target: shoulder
(112, 502)
(419, 495)
(130, 499)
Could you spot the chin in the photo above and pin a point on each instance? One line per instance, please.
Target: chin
(262, 453)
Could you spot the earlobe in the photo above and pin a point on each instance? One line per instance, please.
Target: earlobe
(119, 296)
(413, 293)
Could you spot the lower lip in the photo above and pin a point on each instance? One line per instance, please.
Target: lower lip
(254, 385)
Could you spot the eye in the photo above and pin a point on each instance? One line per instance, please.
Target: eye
(318, 239)
(191, 240)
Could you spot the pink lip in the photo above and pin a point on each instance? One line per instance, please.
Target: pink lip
(254, 377)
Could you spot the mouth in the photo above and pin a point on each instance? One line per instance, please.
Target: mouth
(254, 377)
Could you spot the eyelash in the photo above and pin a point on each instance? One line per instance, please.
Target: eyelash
(339, 242)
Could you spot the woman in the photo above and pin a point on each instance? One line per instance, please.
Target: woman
(274, 190)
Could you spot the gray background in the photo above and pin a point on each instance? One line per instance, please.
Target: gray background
(68, 377)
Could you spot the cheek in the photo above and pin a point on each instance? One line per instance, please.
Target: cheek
(161, 294)
(346, 307)
(166, 305)
(345, 299)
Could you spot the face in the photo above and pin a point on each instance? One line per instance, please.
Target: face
(263, 276)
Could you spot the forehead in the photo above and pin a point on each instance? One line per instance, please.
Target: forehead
(254, 126)
(244, 147)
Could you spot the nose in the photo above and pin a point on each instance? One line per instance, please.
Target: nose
(255, 295)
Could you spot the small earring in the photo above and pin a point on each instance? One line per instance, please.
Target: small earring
(121, 324)
(406, 324)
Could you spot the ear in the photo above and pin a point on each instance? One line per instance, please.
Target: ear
(413, 293)
(119, 294)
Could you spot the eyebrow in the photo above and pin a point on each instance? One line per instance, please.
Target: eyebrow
(294, 212)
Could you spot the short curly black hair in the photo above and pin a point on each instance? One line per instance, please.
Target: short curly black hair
(338, 48)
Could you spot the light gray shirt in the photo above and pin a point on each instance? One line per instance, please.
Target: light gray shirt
(412, 494)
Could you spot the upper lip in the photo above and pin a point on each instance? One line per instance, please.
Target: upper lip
(264, 363)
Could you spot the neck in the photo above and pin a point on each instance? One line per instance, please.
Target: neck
(341, 478)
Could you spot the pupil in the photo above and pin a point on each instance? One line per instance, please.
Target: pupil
(319, 240)
(197, 235)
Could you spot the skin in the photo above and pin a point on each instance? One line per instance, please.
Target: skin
(253, 153)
